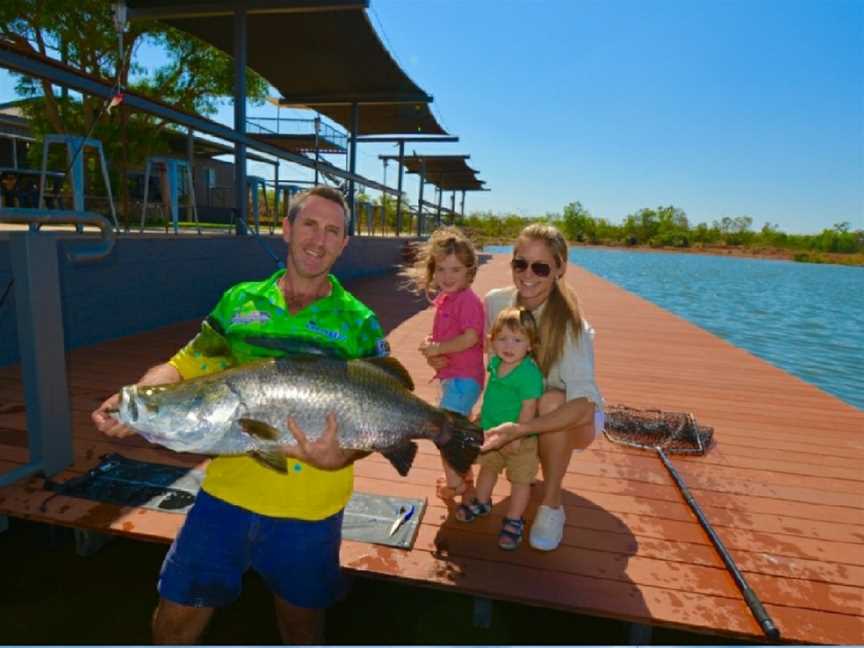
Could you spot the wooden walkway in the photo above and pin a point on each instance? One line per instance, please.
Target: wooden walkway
(783, 484)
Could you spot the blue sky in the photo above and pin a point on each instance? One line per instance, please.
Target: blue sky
(726, 108)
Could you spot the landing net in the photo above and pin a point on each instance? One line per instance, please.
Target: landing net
(674, 432)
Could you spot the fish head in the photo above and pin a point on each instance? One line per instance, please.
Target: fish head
(184, 412)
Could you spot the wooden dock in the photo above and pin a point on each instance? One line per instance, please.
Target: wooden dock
(783, 484)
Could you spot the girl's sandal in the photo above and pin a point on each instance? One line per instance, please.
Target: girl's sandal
(446, 492)
(471, 511)
(510, 535)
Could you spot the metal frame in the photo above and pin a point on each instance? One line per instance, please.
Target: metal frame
(75, 146)
(39, 310)
(172, 172)
(254, 185)
(55, 72)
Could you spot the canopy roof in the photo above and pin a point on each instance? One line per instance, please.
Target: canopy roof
(321, 55)
(447, 172)
(204, 148)
(299, 143)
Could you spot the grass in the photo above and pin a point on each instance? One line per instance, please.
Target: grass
(50, 595)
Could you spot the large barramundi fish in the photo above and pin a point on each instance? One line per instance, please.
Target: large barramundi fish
(244, 410)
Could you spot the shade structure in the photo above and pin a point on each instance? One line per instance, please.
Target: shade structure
(447, 172)
(320, 55)
(204, 148)
(382, 119)
(299, 143)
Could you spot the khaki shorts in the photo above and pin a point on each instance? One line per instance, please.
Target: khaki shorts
(522, 467)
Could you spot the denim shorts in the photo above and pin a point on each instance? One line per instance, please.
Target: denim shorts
(459, 394)
(298, 559)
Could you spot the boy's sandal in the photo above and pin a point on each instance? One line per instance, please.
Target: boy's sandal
(471, 511)
(510, 535)
(446, 492)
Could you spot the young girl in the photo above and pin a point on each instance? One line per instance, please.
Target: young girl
(515, 385)
(446, 265)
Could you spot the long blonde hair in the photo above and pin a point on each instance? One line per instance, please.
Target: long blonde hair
(420, 273)
(561, 305)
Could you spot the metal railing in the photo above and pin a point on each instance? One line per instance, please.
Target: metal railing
(297, 126)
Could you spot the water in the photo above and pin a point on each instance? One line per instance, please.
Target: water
(807, 319)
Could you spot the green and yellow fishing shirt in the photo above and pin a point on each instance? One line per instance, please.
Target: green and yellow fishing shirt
(250, 322)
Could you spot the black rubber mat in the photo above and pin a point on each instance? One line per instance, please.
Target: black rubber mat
(379, 519)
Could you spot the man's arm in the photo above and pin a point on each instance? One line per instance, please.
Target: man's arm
(159, 375)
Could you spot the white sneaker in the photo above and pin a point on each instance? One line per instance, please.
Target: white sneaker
(548, 528)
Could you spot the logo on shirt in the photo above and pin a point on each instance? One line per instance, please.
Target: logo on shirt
(332, 335)
(251, 317)
(382, 348)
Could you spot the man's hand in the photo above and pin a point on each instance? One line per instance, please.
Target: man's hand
(107, 424)
(499, 436)
(325, 452)
(159, 375)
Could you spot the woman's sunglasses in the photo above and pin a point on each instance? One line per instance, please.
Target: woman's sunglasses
(537, 267)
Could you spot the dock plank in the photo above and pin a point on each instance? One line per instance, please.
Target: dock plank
(782, 485)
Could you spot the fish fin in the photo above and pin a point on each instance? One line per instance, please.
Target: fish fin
(296, 346)
(401, 456)
(393, 368)
(459, 441)
(271, 458)
(259, 429)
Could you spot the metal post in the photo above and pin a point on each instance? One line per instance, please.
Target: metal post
(173, 193)
(453, 207)
(41, 203)
(276, 211)
(463, 204)
(438, 215)
(76, 157)
(191, 196)
(43, 359)
(420, 199)
(399, 189)
(355, 125)
(240, 118)
(317, 146)
(190, 160)
(147, 165)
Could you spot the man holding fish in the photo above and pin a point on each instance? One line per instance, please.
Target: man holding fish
(256, 509)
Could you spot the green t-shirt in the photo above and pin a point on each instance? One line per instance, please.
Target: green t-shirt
(504, 396)
(251, 321)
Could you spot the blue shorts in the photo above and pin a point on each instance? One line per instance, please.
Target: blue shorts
(298, 559)
(459, 394)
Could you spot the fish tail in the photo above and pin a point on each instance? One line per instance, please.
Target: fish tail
(459, 441)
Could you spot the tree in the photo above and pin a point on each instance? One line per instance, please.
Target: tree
(82, 33)
(735, 231)
(578, 224)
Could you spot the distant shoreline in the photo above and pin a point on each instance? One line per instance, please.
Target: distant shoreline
(771, 254)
